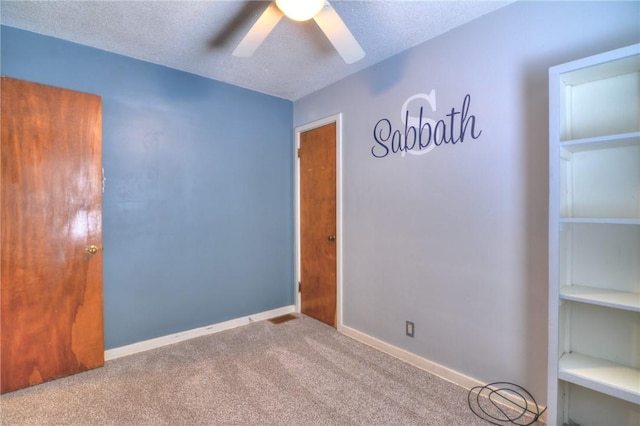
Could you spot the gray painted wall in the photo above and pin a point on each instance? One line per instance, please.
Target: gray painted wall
(456, 240)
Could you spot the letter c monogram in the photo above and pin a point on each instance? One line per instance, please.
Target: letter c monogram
(417, 122)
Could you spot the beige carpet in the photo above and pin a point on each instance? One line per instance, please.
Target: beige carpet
(299, 372)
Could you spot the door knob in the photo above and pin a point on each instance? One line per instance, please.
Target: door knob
(92, 249)
(331, 237)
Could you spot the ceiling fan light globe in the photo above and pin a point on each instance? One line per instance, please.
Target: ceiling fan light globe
(300, 10)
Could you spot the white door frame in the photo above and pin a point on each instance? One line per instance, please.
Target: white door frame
(336, 118)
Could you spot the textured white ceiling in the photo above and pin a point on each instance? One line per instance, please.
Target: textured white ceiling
(198, 36)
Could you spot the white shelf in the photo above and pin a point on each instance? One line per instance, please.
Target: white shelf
(603, 297)
(602, 142)
(601, 99)
(575, 74)
(599, 221)
(600, 375)
(600, 177)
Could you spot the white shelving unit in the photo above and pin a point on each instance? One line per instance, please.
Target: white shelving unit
(594, 240)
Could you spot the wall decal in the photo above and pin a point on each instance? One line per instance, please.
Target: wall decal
(421, 134)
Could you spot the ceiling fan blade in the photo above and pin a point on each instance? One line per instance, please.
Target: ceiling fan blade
(337, 32)
(260, 30)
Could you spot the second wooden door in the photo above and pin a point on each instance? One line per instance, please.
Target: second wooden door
(318, 223)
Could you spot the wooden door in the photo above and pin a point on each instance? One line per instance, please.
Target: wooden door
(51, 207)
(318, 223)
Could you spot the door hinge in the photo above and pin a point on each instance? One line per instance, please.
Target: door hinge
(298, 152)
(299, 286)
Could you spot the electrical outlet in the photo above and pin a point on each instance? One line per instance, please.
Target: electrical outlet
(409, 329)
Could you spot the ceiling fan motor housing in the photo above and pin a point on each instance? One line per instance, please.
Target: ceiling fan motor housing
(300, 10)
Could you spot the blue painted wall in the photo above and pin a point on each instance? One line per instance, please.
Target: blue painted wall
(198, 206)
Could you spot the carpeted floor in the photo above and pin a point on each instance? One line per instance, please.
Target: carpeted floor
(298, 372)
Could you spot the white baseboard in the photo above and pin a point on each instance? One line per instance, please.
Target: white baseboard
(417, 361)
(196, 332)
(413, 359)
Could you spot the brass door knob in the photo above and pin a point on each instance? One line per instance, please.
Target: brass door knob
(331, 237)
(92, 249)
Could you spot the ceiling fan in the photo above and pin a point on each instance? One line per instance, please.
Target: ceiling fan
(302, 10)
